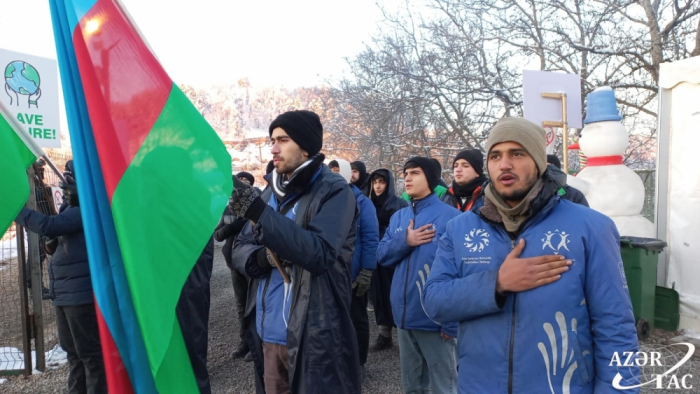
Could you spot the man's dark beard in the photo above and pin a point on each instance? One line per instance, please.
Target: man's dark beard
(519, 195)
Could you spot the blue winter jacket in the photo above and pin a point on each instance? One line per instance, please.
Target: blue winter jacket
(367, 239)
(557, 338)
(413, 265)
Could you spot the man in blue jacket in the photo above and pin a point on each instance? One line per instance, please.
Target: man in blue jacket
(70, 287)
(535, 281)
(307, 218)
(427, 348)
(363, 262)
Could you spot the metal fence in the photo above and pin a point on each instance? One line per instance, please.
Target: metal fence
(27, 319)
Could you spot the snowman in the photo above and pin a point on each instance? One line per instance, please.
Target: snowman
(612, 188)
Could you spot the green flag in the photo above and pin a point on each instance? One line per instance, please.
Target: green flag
(18, 153)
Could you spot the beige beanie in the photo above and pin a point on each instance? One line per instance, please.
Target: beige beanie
(523, 132)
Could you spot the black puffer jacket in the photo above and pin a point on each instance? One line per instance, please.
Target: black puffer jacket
(390, 204)
(69, 272)
(321, 340)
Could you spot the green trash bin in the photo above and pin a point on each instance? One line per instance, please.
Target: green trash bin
(639, 258)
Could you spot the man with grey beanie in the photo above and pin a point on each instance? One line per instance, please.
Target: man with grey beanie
(535, 281)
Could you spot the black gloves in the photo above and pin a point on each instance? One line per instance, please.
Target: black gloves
(362, 282)
(245, 201)
(70, 193)
(265, 261)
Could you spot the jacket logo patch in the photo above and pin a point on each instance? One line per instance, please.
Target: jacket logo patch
(561, 239)
(476, 240)
(398, 229)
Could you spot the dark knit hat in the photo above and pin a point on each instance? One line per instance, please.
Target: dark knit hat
(430, 169)
(474, 157)
(303, 127)
(521, 131)
(554, 160)
(270, 167)
(247, 176)
(438, 167)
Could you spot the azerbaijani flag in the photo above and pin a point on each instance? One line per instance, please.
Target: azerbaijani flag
(18, 152)
(153, 179)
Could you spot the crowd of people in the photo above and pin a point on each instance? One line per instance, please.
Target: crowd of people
(502, 282)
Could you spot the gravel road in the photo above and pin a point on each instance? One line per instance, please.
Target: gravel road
(236, 377)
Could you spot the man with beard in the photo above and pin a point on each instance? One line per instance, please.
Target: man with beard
(533, 280)
(360, 177)
(303, 225)
(386, 203)
(468, 172)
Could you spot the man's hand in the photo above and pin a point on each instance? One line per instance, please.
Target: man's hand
(362, 282)
(246, 203)
(518, 274)
(420, 236)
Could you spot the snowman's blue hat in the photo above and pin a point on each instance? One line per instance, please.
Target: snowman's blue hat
(601, 106)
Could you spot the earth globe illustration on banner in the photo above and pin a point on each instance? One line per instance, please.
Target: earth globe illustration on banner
(22, 79)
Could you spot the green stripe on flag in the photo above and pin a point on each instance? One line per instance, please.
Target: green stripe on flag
(165, 209)
(16, 158)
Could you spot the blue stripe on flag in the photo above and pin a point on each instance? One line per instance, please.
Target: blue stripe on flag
(106, 266)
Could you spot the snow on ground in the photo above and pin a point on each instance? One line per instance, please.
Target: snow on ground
(13, 358)
(691, 333)
(8, 250)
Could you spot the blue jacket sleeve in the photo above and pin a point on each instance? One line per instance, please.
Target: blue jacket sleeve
(315, 248)
(609, 307)
(448, 297)
(393, 250)
(370, 235)
(67, 222)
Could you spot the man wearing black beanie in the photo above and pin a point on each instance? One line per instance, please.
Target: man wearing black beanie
(299, 244)
(409, 246)
(436, 170)
(468, 172)
(360, 177)
(246, 177)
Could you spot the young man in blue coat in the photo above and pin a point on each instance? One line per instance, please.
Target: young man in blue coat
(307, 218)
(363, 261)
(535, 281)
(427, 347)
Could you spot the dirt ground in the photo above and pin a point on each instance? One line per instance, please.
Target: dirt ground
(236, 377)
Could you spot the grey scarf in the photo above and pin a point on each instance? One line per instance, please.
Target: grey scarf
(512, 218)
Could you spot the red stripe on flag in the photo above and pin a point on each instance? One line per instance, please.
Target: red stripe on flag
(117, 376)
(125, 86)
